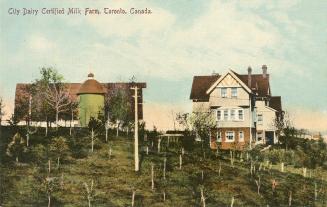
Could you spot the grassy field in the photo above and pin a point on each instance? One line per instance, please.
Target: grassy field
(22, 184)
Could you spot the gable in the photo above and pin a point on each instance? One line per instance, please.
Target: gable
(230, 78)
(228, 81)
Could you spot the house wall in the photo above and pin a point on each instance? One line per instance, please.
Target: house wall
(200, 106)
(268, 115)
(242, 101)
(230, 145)
(229, 82)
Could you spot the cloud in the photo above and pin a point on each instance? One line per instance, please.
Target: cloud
(39, 43)
(223, 37)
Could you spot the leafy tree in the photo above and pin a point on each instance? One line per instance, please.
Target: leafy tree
(39, 153)
(49, 185)
(120, 108)
(16, 147)
(201, 123)
(59, 148)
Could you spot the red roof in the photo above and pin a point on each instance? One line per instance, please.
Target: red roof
(275, 102)
(91, 86)
(200, 85)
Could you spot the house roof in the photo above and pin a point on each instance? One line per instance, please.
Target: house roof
(259, 85)
(200, 85)
(275, 102)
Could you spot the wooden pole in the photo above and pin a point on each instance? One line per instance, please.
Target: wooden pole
(136, 132)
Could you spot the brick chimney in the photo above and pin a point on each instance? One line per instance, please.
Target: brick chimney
(264, 71)
(249, 76)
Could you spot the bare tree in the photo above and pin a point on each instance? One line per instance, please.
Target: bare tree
(152, 176)
(89, 192)
(2, 105)
(258, 183)
(133, 197)
(54, 91)
(164, 168)
(94, 125)
(203, 198)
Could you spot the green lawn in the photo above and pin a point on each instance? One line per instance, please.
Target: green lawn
(114, 180)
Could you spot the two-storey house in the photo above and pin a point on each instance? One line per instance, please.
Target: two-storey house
(243, 105)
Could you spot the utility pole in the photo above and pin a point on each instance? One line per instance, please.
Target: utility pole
(136, 131)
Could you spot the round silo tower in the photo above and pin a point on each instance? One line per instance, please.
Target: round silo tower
(91, 100)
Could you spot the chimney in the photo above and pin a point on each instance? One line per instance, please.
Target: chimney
(249, 76)
(264, 71)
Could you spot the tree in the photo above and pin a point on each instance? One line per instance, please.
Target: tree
(1, 113)
(16, 147)
(49, 185)
(94, 126)
(54, 91)
(71, 114)
(281, 122)
(90, 193)
(201, 123)
(120, 108)
(13, 122)
(59, 149)
(39, 153)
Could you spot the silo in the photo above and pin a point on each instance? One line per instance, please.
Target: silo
(91, 100)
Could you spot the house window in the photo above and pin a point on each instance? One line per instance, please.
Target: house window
(230, 136)
(219, 115)
(259, 136)
(223, 92)
(218, 136)
(232, 114)
(240, 114)
(226, 115)
(260, 118)
(241, 136)
(234, 92)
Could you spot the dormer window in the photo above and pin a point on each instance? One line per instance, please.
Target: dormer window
(234, 92)
(223, 92)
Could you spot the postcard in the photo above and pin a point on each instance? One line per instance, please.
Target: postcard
(163, 103)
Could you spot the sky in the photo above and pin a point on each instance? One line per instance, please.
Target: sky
(167, 48)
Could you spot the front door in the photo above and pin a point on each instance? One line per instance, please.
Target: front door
(269, 137)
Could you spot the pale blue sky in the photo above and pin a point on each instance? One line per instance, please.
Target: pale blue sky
(180, 39)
